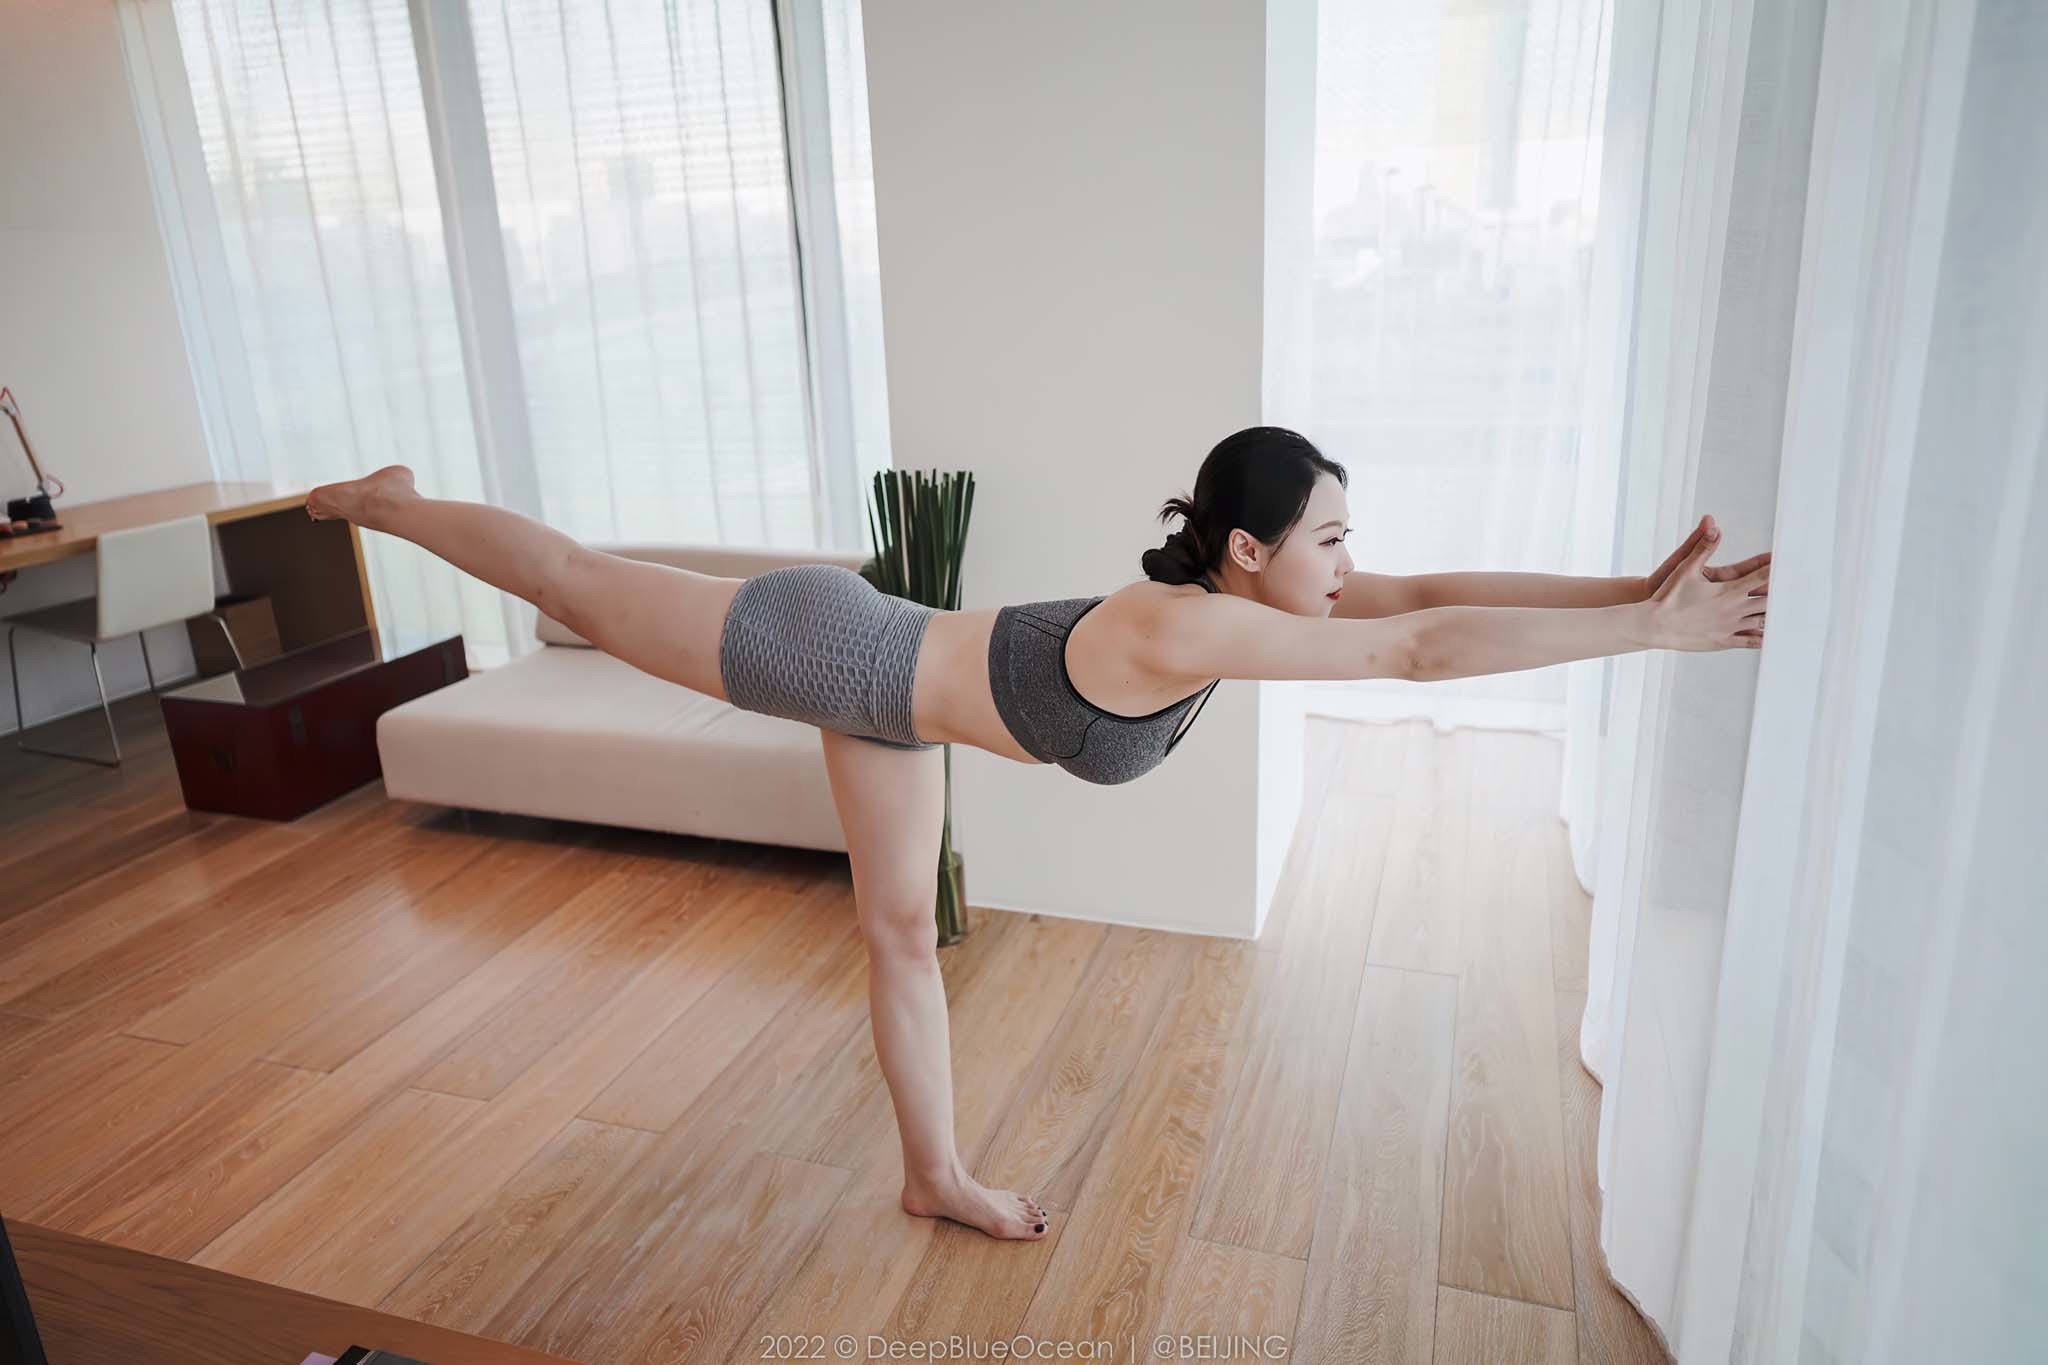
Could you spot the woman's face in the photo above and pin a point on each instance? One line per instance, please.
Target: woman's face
(1311, 560)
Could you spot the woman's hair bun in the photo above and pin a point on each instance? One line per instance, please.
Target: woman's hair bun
(1180, 559)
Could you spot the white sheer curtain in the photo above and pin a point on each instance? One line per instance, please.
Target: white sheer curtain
(1712, 120)
(597, 312)
(1457, 180)
(1818, 870)
(299, 203)
(859, 255)
(638, 158)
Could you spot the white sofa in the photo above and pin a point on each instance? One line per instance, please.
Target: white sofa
(568, 731)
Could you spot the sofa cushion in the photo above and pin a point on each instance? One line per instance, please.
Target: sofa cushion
(576, 734)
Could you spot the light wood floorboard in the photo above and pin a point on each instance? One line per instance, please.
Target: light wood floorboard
(613, 1094)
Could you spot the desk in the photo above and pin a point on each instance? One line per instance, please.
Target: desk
(312, 571)
(100, 1304)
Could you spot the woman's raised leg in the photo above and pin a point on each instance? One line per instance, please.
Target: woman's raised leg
(892, 807)
(662, 620)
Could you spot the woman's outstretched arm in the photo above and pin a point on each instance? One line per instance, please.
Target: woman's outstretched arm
(1231, 637)
(1466, 642)
(1694, 607)
(1560, 590)
(1524, 590)
(1224, 636)
(1368, 596)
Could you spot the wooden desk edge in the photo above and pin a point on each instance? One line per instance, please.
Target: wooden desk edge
(230, 1318)
(22, 552)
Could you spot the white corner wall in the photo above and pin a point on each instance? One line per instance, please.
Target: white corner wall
(89, 334)
(1072, 202)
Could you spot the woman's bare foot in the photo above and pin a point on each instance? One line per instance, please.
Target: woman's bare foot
(999, 1213)
(360, 500)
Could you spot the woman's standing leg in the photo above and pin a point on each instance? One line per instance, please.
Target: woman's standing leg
(662, 620)
(891, 805)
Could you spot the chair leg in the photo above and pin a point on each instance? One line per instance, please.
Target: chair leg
(14, 672)
(105, 709)
(147, 671)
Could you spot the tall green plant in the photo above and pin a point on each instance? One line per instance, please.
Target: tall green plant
(918, 519)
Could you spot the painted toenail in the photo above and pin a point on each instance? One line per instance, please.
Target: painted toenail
(1039, 1228)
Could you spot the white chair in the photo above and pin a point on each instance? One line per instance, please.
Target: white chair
(148, 576)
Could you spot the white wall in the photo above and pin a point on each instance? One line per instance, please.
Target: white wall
(89, 335)
(1071, 201)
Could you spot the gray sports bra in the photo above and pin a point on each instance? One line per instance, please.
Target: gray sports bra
(1027, 673)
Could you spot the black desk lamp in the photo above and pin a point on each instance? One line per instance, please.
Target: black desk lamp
(37, 506)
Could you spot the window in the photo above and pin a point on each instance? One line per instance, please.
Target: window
(611, 265)
(1458, 153)
(642, 186)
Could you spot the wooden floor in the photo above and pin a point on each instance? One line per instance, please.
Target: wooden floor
(613, 1094)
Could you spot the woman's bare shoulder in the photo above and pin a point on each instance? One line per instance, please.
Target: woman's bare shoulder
(1150, 589)
(1148, 614)
(1148, 600)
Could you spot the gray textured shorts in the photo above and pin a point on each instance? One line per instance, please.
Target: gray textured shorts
(820, 644)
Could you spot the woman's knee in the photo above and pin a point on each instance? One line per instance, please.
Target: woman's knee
(602, 597)
(564, 589)
(902, 931)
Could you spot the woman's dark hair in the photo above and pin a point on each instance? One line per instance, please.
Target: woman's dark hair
(1257, 480)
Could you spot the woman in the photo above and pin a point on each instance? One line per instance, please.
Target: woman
(1257, 584)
